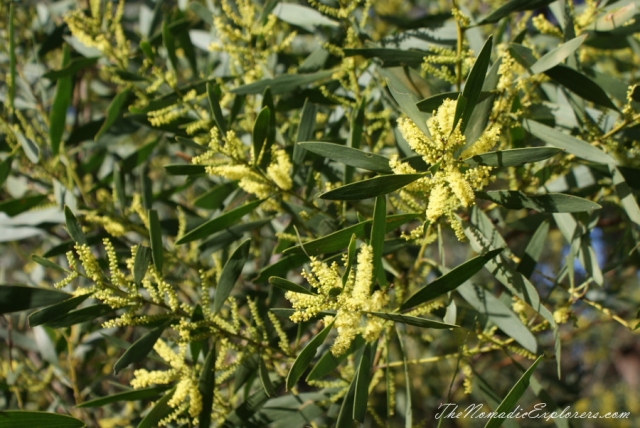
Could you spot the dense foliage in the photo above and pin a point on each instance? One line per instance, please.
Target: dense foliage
(248, 213)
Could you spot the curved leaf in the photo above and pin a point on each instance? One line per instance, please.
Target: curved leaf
(56, 311)
(113, 111)
(230, 274)
(411, 320)
(134, 395)
(371, 188)
(15, 298)
(513, 157)
(306, 355)
(155, 236)
(557, 55)
(19, 418)
(141, 348)
(61, 102)
(206, 385)
(349, 156)
(547, 203)
(283, 284)
(159, 411)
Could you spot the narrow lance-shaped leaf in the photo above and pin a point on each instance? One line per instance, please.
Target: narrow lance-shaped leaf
(47, 263)
(355, 137)
(371, 188)
(141, 263)
(378, 230)
(513, 157)
(627, 199)
(328, 362)
(133, 395)
(533, 250)
(411, 320)
(61, 101)
(15, 298)
(361, 393)
(267, 385)
(141, 348)
(159, 411)
(408, 105)
(86, 314)
(155, 236)
(219, 223)
(284, 284)
(74, 229)
(113, 110)
(548, 203)
(170, 45)
(230, 274)
(305, 356)
(305, 130)
(351, 255)
(206, 386)
(557, 55)
(260, 131)
(408, 412)
(512, 397)
(21, 418)
(55, 311)
(213, 93)
(5, 169)
(267, 102)
(349, 156)
(449, 281)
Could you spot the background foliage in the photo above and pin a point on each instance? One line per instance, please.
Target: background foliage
(247, 213)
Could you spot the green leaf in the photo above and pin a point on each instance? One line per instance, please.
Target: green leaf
(141, 348)
(5, 169)
(213, 198)
(284, 284)
(159, 411)
(428, 105)
(282, 84)
(260, 131)
(449, 281)
(206, 386)
(302, 16)
(47, 263)
(74, 229)
(305, 130)
(213, 93)
(547, 203)
(86, 314)
(118, 184)
(363, 378)
(351, 258)
(315, 61)
(499, 314)
(15, 298)
(138, 157)
(349, 156)
(134, 395)
(19, 418)
(411, 320)
(281, 267)
(513, 157)
(306, 355)
(390, 57)
(533, 250)
(407, 104)
(267, 102)
(627, 200)
(513, 6)
(71, 68)
(566, 142)
(473, 86)
(327, 363)
(219, 223)
(184, 169)
(141, 263)
(170, 45)
(155, 237)
(230, 274)
(371, 188)
(581, 85)
(56, 311)
(13, 207)
(557, 55)
(408, 412)
(113, 111)
(512, 397)
(378, 230)
(267, 385)
(61, 102)
(340, 239)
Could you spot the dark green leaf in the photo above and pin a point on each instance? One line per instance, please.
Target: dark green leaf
(580, 84)
(141, 263)
(428, 105)
(88, 313)
(407, 104)
(287, 312)
(213, 93)
(74, 229)
(184, 169)
(502, 316)
(411, 320)
(328, 362)
(230, 274)
(371, 188)
(513, 6)
(15, 298)
(134, 395)
(55, 311)
(390, 57)
(282, 84)
(363, 378)
(566, 142)
(260, 131)
(340, 239)
(170, 45)
(513, 157)
(5, 169)
(19, 418)
(315, 61)
(349, 156)
(113, 111)
(289, 286)
(449, 281)
(512, 397)
(141, 348)
(267, 385)
(627, 200)
(13, 207)
(305, 130)
(47, 263)
(206, 386)
(213, 198)
(219, 223)
(118, 184)
(155, 237)
(548, 203)
(281, 267)
(71, 68)
(533, 251)
(138, 157)
(159, 411)
(305, 356)
(557, 55)
(61, 101)
(473, 86)
(378, 230)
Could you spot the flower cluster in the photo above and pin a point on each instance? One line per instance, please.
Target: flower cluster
(349, 301)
